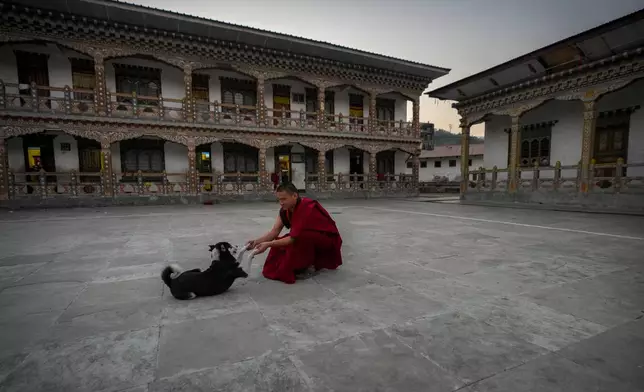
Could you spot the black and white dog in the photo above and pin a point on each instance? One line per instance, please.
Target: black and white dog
(222, 273)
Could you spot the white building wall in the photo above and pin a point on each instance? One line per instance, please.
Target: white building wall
(176, 161)
(217, 157)
(66, 160)
(567, 132)
(400, 162)
(452, 173)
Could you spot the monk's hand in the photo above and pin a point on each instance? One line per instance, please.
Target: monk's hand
(261, 248)
(251, 244)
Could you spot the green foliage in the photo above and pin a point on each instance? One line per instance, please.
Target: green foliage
(443, 137)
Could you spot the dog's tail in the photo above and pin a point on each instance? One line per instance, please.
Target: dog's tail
(170, 272)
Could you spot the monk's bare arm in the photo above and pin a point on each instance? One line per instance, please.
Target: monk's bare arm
(271, 234)
(281, 242)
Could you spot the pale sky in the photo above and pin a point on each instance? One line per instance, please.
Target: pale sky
(467, 36)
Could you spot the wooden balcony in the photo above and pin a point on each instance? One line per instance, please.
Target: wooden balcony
(66, 101)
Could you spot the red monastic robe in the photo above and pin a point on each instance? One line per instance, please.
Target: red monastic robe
(317, 242)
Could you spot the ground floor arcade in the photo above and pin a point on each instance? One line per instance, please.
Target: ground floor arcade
(51, 163)
(582, 148)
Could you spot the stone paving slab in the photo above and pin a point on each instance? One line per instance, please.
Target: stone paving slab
(439, 297)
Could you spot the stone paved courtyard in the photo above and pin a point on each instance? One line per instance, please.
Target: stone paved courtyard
(432, 297)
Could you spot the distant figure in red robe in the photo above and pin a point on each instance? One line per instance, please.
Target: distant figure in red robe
(313, 241)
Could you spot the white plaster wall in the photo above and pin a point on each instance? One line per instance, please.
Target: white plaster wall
(65, 160)
(400, 162)
(217, 157)
(341, 160)
(176, 161)
(298, 170)
(270, 161)
(16, 157)
(172, 86)
(401, 106)
(496, 144)
(452, 173)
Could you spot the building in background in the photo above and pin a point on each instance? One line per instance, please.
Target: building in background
(443, 163)
(427, 136)
(103, 100)
(563, 124)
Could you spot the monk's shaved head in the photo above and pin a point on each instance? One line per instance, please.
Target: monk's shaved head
(287, 188)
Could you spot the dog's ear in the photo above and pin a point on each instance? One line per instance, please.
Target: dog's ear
(211, 247)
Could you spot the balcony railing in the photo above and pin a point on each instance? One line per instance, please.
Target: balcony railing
(624, 178)
(81, 102)
(43, 185)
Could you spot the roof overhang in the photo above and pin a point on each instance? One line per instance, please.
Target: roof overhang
(152, 18)
(604, 41)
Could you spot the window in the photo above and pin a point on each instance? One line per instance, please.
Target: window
(32, 67)
(452, 163)
(83, 78)
(201, 87)
(298, 98)
(385, 109)
(146, 155)
(312, 103)
(238, 92)
(386, 162)
(423, 164)
(410, 164)
(240, 158)
(469, 162)
(534, 146)
(437, 164)
(144, 81)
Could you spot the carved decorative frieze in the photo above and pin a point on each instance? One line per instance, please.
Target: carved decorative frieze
(518, 110)
(13, 131)
(590, 85)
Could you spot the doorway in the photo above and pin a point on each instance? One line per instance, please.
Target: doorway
(32, 67)
(283, 164)
(89, 159)
(281, 102)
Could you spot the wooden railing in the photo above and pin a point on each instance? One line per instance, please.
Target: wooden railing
(625, 178)
(44, 185)
(82, 102)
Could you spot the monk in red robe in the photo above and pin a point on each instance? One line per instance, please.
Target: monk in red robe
(313, 240)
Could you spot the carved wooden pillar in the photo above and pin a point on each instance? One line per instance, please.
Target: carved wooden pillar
(264, 181)
(4, 170)
(321, 109)
(416, 118)
(321, 170)
(106, 156)
(100, 87)
(415, 171)
(515, 153)
(373, 170)
(261, 82)
(373, 117)
(587, 143)
(188, 108)
(193, 181)
(465, 156)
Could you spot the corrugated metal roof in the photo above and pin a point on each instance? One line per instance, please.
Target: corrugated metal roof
(604, 41)
(452, 150)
